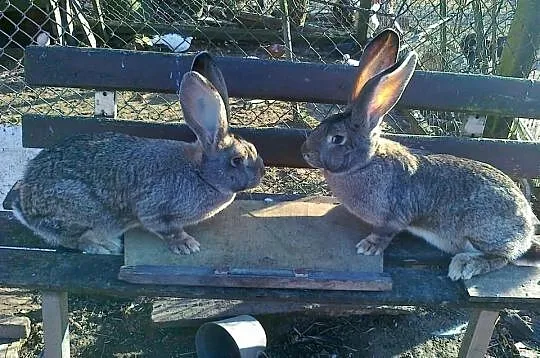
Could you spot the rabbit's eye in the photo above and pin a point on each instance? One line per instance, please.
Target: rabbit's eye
(338, 139)
(236, 161)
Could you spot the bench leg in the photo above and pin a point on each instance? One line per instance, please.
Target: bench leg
(478, 334)
(55, 324)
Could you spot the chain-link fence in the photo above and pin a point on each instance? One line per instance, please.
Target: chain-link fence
(468, 36)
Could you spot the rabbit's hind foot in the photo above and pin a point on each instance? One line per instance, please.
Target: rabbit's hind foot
(92, 242)
(468, 264)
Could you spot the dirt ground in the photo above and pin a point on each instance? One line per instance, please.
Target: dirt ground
(122, 328)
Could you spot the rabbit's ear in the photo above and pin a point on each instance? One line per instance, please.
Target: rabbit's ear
(204, 64)
(379, 54)
(381, 93)
(204, 109)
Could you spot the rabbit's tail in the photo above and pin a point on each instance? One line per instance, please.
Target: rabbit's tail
(532, 256)
(13, 202)
(17, 212)
(12, 196)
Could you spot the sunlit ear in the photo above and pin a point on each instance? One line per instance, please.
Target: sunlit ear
(381, 94)
(379, 54)
(204, 109)
(204, 64)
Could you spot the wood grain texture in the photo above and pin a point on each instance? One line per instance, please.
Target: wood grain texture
(259, 244)
(168, 312)
(266, 79)
(301, 234)
(98, 275)
(55, 324)
(509, 282)
(259, 278)
(519, 158)
(478, 334)
(403, 251)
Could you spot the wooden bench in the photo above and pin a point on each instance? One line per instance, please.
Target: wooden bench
(418, 271)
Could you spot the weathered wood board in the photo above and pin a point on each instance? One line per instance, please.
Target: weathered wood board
(521, 158)
(183, 311)
(168, 312)
(14, 327)
(264, 244)
(256, 278)
(509, 283)
(304, 233)
(10, 348)
(275, 80)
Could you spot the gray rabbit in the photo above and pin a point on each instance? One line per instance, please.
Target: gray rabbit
(89, 189)
(463, 207)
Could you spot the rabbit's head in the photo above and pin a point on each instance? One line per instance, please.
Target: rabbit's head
(224, 160)
(347, 140)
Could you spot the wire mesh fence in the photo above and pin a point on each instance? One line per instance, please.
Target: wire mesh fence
(467, 36)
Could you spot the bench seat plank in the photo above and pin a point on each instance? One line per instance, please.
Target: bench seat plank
(520, 158)
(510, 282)
(263, 244)
(98, 275)
(301, 234)
(403, 251)
(269, 79)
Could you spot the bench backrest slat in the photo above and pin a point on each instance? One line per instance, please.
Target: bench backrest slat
(110, 69)
(281, 146)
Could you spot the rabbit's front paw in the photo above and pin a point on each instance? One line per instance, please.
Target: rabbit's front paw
(373, 244)
(466, 265)
(184, 245)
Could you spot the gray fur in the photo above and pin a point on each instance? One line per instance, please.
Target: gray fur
(464, 207)
(84, 192)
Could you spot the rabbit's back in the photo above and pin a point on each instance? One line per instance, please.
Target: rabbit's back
(449, 198)
(460, 185)
(462, 198)
(98, 157)
(125, 174)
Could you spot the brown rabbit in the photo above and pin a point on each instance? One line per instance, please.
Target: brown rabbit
(464, 207)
